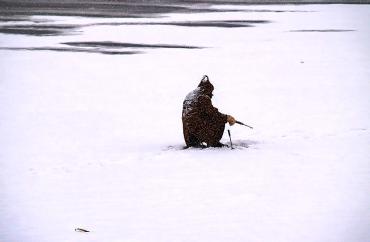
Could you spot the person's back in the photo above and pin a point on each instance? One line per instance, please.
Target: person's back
(203, 123)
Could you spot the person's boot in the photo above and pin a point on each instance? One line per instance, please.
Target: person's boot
(218, 145)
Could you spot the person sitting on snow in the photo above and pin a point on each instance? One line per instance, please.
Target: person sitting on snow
(203, 123)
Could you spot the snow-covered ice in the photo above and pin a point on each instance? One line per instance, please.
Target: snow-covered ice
(90, 140)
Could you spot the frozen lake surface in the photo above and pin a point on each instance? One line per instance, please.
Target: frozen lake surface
(91, 133)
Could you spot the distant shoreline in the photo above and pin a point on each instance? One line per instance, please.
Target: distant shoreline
(134, 9)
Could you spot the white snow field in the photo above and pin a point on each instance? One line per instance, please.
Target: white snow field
(93, 141)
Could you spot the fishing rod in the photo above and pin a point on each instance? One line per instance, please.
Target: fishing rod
(238, 122)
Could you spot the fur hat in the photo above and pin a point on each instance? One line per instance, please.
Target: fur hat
(206, 84)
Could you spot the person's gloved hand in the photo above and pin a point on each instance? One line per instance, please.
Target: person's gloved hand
(231, 120)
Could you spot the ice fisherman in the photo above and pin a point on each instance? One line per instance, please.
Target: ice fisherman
(203, 124)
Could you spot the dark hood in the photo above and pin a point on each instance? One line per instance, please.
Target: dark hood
(206, 86)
